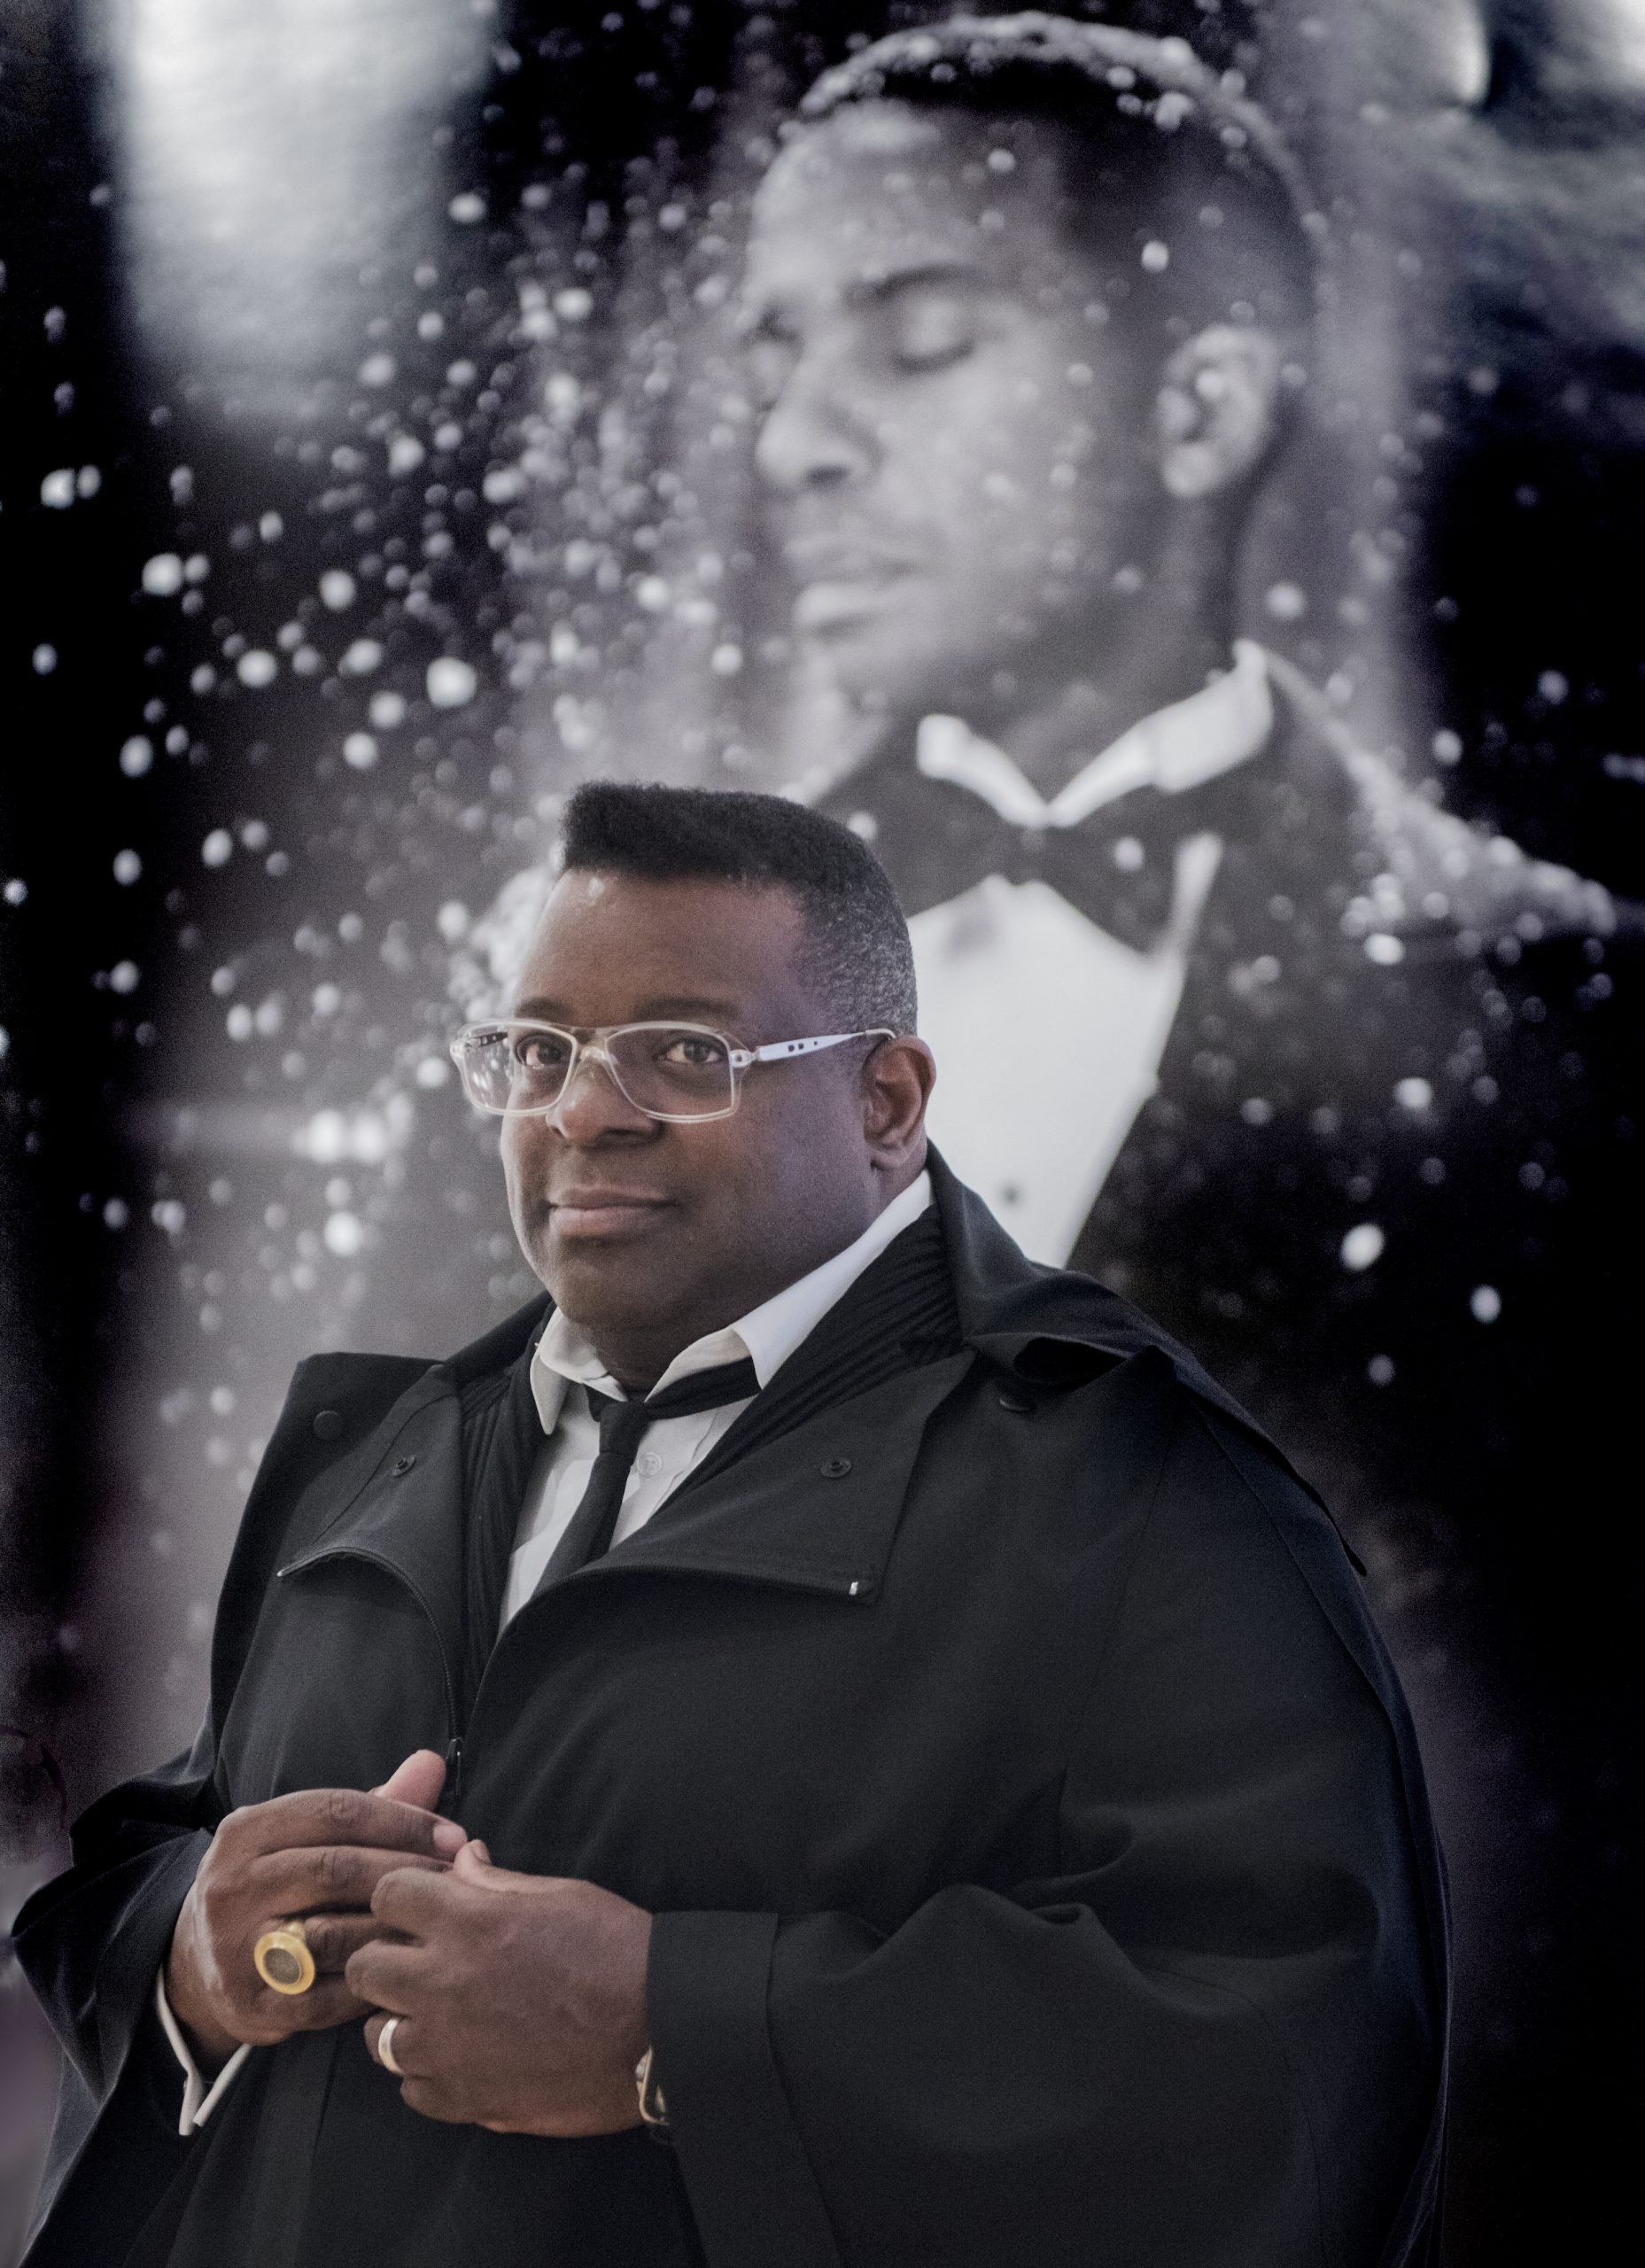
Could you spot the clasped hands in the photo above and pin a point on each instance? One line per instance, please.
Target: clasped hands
(520, 1998)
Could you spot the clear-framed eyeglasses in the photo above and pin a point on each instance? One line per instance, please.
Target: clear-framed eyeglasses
(519, 1067)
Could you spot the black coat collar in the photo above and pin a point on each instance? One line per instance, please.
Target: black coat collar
(815, 1509)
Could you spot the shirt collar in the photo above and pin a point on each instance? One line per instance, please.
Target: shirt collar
(767, 1336)
(1179, 747)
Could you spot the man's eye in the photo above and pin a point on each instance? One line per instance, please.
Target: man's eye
(539, 1051)
(692, 1052)
(931, 328)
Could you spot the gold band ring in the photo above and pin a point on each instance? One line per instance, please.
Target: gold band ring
(282, 1960)
(385, 2048)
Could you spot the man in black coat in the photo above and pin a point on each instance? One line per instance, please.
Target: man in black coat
(920, 1753)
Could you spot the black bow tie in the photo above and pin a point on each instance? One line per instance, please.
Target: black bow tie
(938, 839)
(622, 1426)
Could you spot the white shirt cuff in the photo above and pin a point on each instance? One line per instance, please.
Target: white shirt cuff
(198, 2100)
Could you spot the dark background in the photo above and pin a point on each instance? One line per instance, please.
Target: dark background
(222, 1140)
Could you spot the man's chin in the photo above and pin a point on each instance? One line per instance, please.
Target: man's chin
(887, 667)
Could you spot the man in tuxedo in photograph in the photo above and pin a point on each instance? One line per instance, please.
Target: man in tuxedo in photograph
(1030, 314)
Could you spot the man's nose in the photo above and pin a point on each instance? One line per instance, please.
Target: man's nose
(591, 1106)
(813, 435)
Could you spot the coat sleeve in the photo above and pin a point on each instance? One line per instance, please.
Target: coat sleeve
(91, 1941)
(1210, 2034)
(90, 1944)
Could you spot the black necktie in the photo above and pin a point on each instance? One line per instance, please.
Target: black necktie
(622, 1423)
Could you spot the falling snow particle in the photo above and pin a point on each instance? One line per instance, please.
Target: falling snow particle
(451, 684)
(169, 1215)
(405, 454)
(1447, 746)
(44, 658)
(1485, 1303)
(15, 891)
(452, 921)
(1379, 1370)
(1413, 1094)
(336, 589)
(116, 1213)
(238, 1022)
(377, 371)
(467, 207)
(124, 977)
(359, 750)
(1285, 601)
(218, 847)
(127, 866)
(257, 668)
(162, 575)
(1362, 1246)
(1156, 256)
(1385, 948)
(361, 658)
(57, 490)
(136, 756)
(386, 710)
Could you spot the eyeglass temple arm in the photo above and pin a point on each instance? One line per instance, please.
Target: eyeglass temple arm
(741, 1057)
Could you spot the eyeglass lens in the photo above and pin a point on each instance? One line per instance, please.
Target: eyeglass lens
(675, 1069)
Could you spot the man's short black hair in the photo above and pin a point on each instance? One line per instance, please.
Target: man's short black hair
(1163, 154)
(859, 953)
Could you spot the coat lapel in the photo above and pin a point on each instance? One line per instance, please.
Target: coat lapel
(815, 1509)
(398, 1498)
(810, 1499)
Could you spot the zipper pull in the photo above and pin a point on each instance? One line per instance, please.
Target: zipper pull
(453, 1789)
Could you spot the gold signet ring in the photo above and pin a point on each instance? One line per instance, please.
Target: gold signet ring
(283, 1959)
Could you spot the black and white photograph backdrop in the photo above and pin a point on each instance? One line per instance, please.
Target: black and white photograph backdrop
(1170, 474)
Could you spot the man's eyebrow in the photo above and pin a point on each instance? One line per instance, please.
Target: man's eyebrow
(875, 289)
(690, 1006)
(765, 318)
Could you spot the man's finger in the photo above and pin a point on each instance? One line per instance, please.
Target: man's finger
(413, 1899)
(387, 1976)
(341, 1815)
(297, 1881)
(327, 2003)
(334, 1938)
(403, 2047)
(473, 1865)
(419, 1780)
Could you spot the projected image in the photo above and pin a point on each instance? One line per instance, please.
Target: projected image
(1168, 475)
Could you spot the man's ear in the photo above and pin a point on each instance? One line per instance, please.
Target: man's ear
(897, 1079)
(1217, 413)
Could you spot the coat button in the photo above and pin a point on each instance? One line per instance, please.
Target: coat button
(835, 1468)
(327, 1425)
(1014, 1398)
(404, 1463)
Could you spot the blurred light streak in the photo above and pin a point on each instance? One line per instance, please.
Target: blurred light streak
(267, 152)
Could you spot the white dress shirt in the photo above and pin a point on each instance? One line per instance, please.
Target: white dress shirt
(564, 1366)
(1048, 1032)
